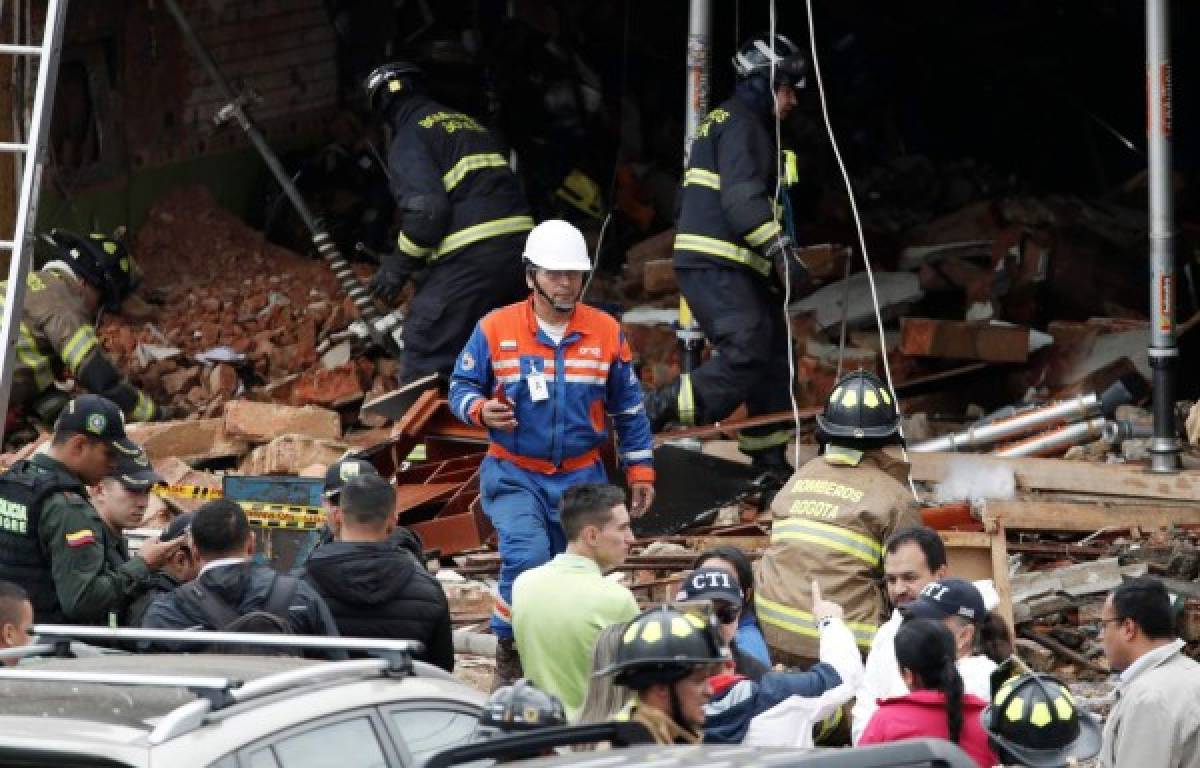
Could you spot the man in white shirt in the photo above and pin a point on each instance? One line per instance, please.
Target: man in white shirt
(962, 605)
(912, 558)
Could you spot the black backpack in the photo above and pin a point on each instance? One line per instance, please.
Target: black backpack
(271, 619)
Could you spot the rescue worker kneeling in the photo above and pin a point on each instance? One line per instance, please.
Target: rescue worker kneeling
(830, 521)
(666, 657)
(57, 336)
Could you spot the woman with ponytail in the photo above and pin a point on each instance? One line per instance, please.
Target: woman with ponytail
(937, 707)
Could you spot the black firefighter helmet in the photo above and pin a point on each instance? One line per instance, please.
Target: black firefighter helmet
(521, 706)
(756, 55)
(1032, 720)
(100, 260)
(859, 408)
(390, 81)
(664, 645)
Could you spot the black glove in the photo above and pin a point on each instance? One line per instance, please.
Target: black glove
(393, 274)
(791, 270)
(167, 412)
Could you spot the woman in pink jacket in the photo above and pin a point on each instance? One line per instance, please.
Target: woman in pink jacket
(937, 708)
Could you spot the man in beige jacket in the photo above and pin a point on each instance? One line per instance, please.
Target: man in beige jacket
(1155, 722)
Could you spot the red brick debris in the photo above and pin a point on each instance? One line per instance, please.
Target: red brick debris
(218, 282)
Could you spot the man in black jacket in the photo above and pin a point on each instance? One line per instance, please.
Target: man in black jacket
(373, 588)
(223, 545)
(463, 220)
(732, 256)
(336, 475)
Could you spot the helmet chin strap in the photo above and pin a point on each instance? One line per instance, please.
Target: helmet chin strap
(677, 709)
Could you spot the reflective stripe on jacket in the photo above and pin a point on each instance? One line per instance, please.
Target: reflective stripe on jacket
(726, 215)
(452, 182)
(589, 377)
(56, 336)
(830, 525)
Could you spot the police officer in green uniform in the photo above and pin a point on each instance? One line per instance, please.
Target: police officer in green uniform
(119, 504)
(52, 540)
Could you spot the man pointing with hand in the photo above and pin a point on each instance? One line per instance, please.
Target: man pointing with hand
(544, 376)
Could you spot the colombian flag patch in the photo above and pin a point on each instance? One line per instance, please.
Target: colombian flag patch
(81, 538)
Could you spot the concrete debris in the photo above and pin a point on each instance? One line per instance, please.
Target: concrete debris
(290, 454)
(189, 441)
(897, 291)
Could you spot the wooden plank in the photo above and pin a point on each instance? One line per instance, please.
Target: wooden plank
(748, 544)
(974, 556)
(1089, 518)
(1058, 475)
(925, 337)
(735, 424)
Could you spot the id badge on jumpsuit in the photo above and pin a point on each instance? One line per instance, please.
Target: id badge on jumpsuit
(536, 381)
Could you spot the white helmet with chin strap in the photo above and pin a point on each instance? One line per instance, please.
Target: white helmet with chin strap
(557, 246)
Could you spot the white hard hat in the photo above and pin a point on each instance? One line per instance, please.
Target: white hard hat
(556, 244)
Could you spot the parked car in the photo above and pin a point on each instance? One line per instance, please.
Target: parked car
(229, 711)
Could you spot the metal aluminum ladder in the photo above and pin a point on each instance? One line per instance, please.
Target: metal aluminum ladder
(33, 154)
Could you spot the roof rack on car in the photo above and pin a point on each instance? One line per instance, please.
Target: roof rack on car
(212, 689)
(394, 659)
(398, 653)
(190, 716)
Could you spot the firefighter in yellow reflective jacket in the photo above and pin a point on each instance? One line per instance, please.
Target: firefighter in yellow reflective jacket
(830, 521)
(734, 261)
(463, 220)
(57, 337)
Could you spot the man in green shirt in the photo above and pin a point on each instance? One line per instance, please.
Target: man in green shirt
(559, 608)
(52, 540)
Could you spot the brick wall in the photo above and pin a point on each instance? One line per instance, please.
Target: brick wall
(284, 50)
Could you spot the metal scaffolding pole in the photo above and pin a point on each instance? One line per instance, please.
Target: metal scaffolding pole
(699, 35)
(1165, 446)
(688, 333)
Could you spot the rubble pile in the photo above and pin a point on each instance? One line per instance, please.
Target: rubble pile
(1006, 301)
(236, 316)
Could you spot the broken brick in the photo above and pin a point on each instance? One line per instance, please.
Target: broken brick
(658, 277)
(202, 438)
(925, 337)
(290, 454)
(263, 422)
(329, 387)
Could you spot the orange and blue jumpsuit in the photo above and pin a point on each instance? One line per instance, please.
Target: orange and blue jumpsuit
(589, 377)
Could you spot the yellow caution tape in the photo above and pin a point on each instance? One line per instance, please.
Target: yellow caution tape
(187, 491)
(283, 515)
(260, 513)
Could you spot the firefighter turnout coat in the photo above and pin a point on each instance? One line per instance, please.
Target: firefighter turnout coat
(57, 338)
(453, 186)
(726, 216)
(830, 522)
